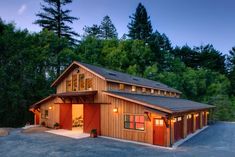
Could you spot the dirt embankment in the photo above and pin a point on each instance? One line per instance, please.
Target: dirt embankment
(37, 129)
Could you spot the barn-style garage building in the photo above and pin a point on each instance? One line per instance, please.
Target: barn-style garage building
(120, 106)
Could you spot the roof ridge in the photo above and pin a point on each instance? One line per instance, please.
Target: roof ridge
(106, 70)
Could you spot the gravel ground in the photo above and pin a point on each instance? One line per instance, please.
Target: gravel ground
(216, 141)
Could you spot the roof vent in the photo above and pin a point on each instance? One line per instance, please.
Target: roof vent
(158, 84)
(112, 74)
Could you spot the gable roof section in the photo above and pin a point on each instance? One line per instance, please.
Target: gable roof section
(162, 103)
(115, 76)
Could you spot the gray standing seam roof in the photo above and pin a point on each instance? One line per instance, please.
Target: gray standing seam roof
(123, 77)
(170, 103)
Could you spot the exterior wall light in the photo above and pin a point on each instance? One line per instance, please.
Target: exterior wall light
(115, 110)
(50, 107)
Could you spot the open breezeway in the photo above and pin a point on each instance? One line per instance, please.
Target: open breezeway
(216, 141)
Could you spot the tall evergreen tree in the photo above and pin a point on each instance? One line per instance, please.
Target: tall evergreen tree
(108, 30)
(54, 18)
(231, 69)
(92, 31)
(140, 26)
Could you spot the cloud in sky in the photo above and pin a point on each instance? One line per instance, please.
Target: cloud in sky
(22, 9)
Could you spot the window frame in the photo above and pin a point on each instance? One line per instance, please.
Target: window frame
(69, 88)
(81, 81)
(74, 82)
(121, 86)
(86, 84)
(134, 122)
(133, 88)
(144, 90)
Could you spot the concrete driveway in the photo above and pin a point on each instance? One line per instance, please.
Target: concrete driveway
(216, 141)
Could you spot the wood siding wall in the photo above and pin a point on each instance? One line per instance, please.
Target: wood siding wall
(112, 124)
(53, 113)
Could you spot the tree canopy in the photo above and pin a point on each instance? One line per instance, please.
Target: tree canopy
(29, 62)
(55, 18)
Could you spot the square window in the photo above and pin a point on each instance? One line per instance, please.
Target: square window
(121, 86)
(133, 88)
(152, 91)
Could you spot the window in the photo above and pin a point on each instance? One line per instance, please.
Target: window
(133, 88)
(68, 85)
(81, 81)
(75, 82)
(159, 122)
(88, 84)
(121, 86)
(44, 114)
(161, 92)
(135, 122)
(189, 116)
(143, 90)
(152, 91)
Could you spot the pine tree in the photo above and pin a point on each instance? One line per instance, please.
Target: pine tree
(92, 31)
(108, 30)
(140, 27)
(54, 18)
(231, 68)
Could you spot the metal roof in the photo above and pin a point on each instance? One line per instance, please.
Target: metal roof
(175, 105)
(126, 78)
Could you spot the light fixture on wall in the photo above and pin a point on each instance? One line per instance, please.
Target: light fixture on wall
(115, 110)
(50, 107)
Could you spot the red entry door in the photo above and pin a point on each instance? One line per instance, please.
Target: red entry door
(159, 129)
(178, 128)
(189, 124)
(91, 114)
(66, 116)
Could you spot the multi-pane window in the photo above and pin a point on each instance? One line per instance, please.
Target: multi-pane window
(152, 91)
(189, 116)
(159, 122)
(74, 82)
(89, 84)
(44, 114)
(143, 90)
(135, 122)
(133, 88)
(81, 81)
(121, 86)
(68, 85)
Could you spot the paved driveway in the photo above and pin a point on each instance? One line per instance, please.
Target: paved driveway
(216, 141)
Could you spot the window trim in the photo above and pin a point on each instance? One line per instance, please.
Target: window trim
(133, 88)
(121, 86)
(86, 83)
(144, 90)
(134, 129)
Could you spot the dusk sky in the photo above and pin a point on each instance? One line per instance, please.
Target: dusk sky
(192, 22)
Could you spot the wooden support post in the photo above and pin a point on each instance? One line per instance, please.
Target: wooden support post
(168, 134)
(206, 116)
(194, 122)
(200, 120)
(172, 132)
(185, 126)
